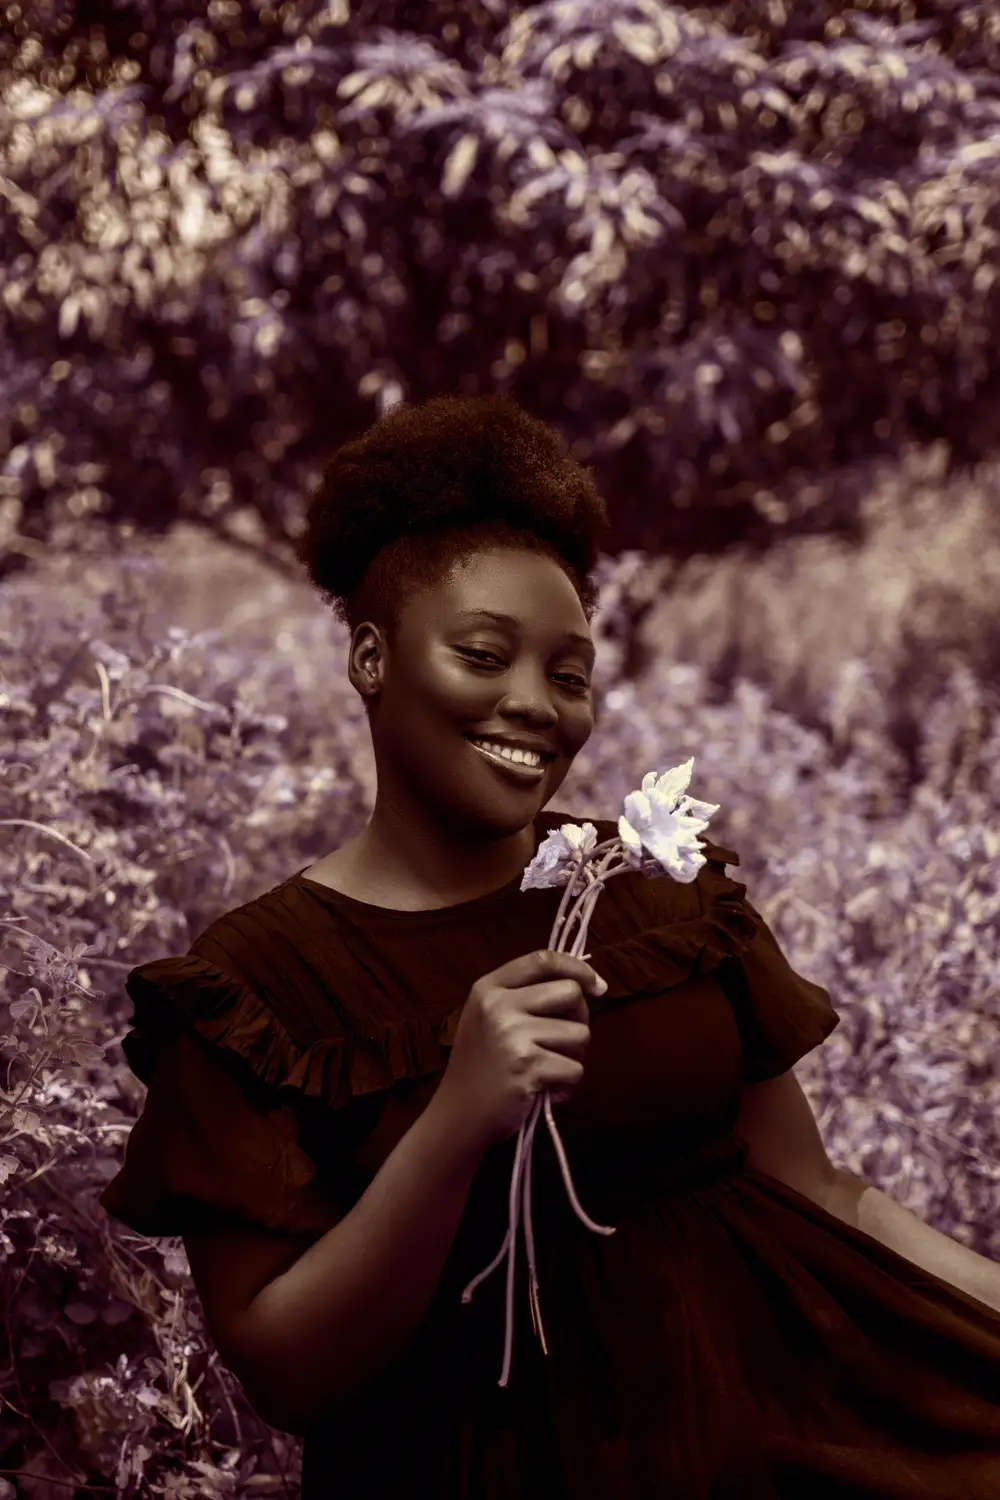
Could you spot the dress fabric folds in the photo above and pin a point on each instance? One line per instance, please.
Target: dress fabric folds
(731, 1341)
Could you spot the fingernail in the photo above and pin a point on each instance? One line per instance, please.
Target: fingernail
(600, 985)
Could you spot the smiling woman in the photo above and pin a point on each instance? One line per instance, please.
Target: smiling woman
(456, 541)
(738, 1333)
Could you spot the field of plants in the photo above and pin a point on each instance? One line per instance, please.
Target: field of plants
(180, 735)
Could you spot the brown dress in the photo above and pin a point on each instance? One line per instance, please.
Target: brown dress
(732, 1341)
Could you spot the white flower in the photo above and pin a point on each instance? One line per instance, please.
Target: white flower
(556, 853)
(660, 820)
(579, 838)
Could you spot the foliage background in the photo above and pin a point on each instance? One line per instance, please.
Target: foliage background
(738, 253)
(745, 258)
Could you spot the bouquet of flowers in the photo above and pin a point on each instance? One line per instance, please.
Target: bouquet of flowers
(657, 835)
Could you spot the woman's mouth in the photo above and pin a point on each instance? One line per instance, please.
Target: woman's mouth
(527, 773)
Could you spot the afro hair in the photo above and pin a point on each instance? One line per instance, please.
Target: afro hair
(427, 486)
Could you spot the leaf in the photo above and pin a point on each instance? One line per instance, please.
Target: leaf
(69, 316)
(378, 92)
(83, 1052)
(80, 1312)
(458, 167)
(352, 84)
(26, 1120)
(639, 42)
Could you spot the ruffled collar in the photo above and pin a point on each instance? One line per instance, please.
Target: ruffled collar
(662, 935)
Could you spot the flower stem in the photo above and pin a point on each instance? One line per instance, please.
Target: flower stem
(580, 911)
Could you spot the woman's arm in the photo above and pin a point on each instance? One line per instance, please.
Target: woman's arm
(858, 1203)
(355, 1298)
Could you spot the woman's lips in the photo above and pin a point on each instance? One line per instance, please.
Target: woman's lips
(523, 774)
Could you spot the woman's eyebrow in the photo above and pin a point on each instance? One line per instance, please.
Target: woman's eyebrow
(573, 636)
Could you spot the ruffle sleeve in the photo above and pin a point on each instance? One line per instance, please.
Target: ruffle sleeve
(780, 1015)
(212, 1144)
(657, 933)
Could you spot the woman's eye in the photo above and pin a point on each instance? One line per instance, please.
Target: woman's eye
(483, 656)
(580, 682)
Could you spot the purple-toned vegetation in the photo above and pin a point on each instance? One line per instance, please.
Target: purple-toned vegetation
(737, 257)
(152, 781)
(733, 252)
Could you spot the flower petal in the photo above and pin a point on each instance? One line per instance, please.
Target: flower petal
(631, 842)
(674, 783)
(638, 810)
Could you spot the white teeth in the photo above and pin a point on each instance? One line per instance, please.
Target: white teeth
(519, 757)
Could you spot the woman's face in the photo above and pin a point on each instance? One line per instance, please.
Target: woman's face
(454, 672)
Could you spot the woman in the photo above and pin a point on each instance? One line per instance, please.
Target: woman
(337, 1071)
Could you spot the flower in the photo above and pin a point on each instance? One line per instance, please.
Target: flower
(550, 864)
(662, 820)
(657, 834)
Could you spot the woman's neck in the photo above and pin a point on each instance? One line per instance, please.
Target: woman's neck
(414, 869)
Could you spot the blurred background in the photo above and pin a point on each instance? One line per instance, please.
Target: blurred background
(745, 258)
